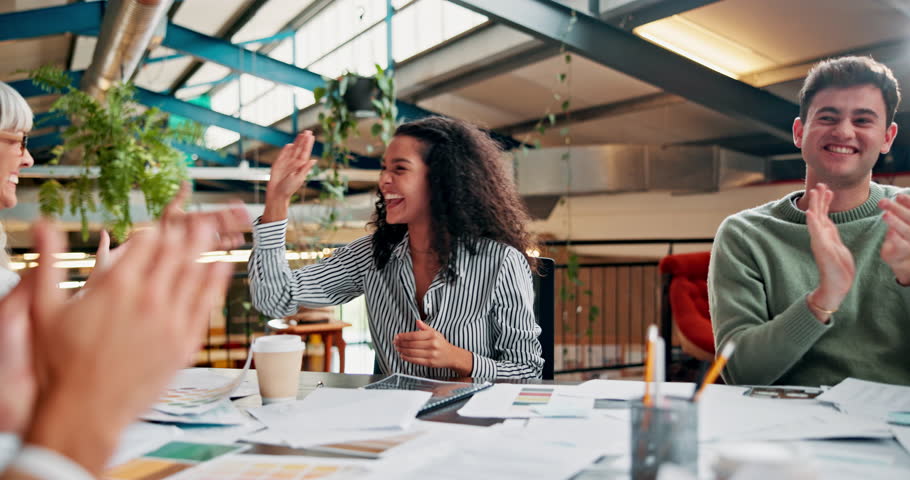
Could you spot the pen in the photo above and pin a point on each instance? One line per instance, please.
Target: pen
(718, 365)
(660, 370)
(649, 363)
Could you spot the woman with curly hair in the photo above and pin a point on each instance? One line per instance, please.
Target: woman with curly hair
(446, 281)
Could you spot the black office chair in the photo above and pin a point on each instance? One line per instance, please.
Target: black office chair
(544, 296)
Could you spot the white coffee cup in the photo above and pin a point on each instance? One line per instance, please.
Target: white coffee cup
(278, 359)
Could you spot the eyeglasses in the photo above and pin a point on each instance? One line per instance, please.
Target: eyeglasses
(20, 138)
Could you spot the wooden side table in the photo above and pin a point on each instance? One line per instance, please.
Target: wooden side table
(330, 332)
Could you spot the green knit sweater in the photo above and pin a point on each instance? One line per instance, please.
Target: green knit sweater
(761, 271)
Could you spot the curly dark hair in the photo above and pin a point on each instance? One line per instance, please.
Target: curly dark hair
(471, 195)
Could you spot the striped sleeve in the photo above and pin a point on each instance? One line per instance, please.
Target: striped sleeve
(517, 351)
(277, 290)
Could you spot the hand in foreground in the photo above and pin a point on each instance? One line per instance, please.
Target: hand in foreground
(230, 223)
(429, 348)
(17, 395)
(835, 262)
(896, 247)
(104, 357)
(288, 175)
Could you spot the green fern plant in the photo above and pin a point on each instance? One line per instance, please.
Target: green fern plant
(130, 148)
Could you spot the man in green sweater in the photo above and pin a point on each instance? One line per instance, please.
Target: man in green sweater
(815, 287)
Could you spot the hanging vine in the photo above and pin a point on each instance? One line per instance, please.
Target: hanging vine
(559, 111)
(338, 124)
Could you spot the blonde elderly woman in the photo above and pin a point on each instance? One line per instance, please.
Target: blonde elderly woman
(15, 123)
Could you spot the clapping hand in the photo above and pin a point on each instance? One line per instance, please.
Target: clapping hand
(836, 269)
(896, 247)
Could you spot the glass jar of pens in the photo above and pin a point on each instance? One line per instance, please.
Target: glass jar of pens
(664, 429)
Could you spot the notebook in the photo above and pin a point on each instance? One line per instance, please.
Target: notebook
(443, 392)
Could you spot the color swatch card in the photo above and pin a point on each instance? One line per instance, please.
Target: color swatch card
(268, 467)
(196, 391)
(526, 401)
(170, 459)
(222, 412)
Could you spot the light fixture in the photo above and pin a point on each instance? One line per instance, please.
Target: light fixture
(705, 46)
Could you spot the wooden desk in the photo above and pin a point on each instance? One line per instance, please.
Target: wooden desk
(330, 332)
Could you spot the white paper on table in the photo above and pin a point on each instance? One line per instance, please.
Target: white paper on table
(310, 439)
(264, 466)
(344, 409)
(868, 399)
(196, 390)
(725, 413)
(223, 413)
(492, 454)
(422, 438)
(220, 433)
(631, 389)
(872, 460)
(140, 438)
(820, 425)
(609, 435)
(265, 436)
(503, 401)
(902, 434)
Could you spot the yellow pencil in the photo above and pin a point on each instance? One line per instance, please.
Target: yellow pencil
(718, 365)
(649, 363)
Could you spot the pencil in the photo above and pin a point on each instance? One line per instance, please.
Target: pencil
(649, 363)
(718, 365)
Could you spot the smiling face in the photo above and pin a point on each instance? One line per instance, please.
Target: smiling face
(12, 159)
(403, 182)
(843, 134)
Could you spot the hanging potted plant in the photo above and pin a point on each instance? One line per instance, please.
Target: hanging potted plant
(346, 98)
(120, 149)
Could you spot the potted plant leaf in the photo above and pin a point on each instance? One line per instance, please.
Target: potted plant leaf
(120, 147)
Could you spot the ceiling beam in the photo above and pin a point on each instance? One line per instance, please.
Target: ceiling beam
(635, 13)
(634, 56)
(238, 58)
(40, 22)
(227, 33)
(207, 116)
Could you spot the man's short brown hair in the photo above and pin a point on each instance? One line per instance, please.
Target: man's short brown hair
(847, 72)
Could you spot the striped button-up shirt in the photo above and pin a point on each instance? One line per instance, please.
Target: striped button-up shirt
(488, 309)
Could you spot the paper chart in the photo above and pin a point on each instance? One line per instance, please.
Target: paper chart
(531, 397)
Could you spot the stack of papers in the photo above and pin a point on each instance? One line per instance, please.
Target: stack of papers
(330, 415)
(195, 391)
(868, 399)
(198, 396)
(725, 414)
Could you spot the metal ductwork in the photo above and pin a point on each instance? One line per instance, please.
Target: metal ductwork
(127, 30)
(543, 176)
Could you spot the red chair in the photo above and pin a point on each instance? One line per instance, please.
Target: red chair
(684, 306)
